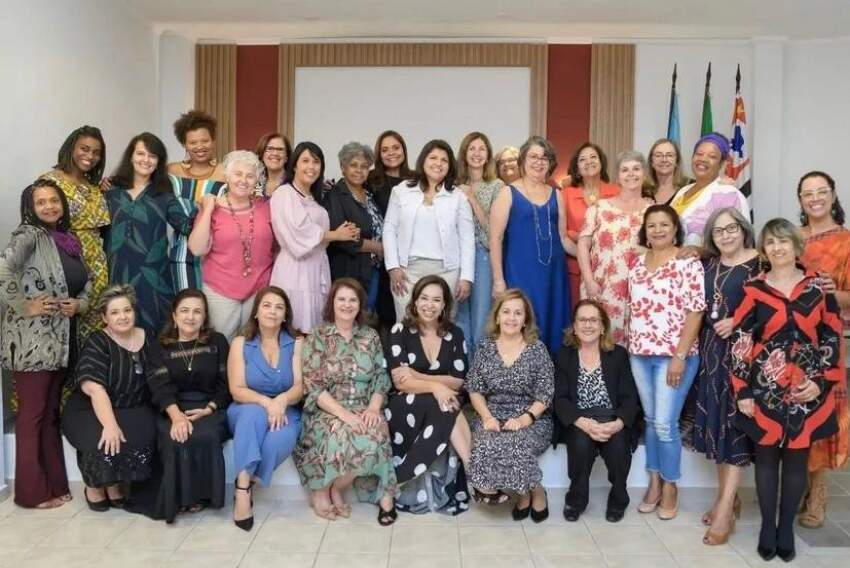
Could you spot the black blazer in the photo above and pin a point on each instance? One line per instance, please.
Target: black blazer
(617, 374)
(345, 257)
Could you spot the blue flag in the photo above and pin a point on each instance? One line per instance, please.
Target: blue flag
(673, 115)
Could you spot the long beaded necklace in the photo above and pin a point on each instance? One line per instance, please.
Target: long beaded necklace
(538, 234)
(718, 302)
(246, 240)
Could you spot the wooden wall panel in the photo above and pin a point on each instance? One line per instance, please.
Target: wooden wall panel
(612, 100)
(215, 91)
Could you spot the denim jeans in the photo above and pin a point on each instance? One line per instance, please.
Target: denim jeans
(372, 291)
(662, 406)
(472, 313)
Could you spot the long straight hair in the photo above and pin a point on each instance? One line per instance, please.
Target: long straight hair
(378, 175)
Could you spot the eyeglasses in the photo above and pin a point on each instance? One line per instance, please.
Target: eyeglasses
(730, 230)
(591, 321)
(667, 156)
(819, 193)
(275, 150)
(538, 158)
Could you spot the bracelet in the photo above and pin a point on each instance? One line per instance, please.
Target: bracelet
(531, 415)
(212, 406)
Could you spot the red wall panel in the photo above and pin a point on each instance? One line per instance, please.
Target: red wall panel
(568, 102)
(256, 93)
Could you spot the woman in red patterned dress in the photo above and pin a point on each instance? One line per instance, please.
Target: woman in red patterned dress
(784, 363)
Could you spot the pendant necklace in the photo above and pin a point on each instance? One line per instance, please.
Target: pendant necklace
(189, 360)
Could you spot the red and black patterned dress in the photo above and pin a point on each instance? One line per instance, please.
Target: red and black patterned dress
(779, 342)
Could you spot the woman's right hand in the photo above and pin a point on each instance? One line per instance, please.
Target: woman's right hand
(110, 440)
(398, 281)
(181, 428)
(592, 289)
(446, 397)
(42, 305)
(348, 231)
(207, 204)
(747, 407)
(499, 288)
(354, 421)
(491, 424)
(276, 411)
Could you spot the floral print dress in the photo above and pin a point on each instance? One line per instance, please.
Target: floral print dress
(352, 372)
(614, 246)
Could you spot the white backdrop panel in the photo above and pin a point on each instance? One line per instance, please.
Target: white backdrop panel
(335, 105)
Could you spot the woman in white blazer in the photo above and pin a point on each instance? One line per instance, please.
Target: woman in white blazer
(428, 228)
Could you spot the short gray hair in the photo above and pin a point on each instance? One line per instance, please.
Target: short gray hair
(245, 156)
(629, 156)
(548, 151)
(355, 150)
(783, 229)
(743, 222)
(115, 292)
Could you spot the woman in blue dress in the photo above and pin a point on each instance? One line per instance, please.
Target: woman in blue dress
(264, 373)
(528, 240)
(142, 206)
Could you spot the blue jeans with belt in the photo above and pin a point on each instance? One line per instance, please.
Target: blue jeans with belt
(662, 405)
(472, 313)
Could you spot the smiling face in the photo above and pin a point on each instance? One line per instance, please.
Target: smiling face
(536, 164)
(271, 311)
(589, 163)
(511, 317)
(588, 324)
(430, 303)
(663, 159)
(189, 317)
(241, 178)
(508, 168)
(392, 153)
(346, 306)
(307, 169)
(47, 205)
(477, 154)
(706, 162)
(356, 171)
(144, 162)
(274, 156)
(727, 235)
(630, 176)
(436, 166)
(200, 145)
(816, 198)
(119, 316)
(86, 154)
(660, 231)
(779, 250)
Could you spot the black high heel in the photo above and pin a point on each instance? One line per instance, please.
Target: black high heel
(520, 514)
(244, 524)
(786, 554)
(96, 506)
(539, 516)
(766, 554)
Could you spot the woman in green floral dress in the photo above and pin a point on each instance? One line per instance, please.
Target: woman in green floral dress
(344, 437)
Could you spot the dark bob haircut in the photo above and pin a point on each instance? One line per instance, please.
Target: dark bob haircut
(316, 152)
(671, 214)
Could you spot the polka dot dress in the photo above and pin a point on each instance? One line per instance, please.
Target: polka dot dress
(429, 472)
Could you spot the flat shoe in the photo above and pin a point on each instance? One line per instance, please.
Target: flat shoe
(571, 514)
(519, 514)
(97, 506)
(645, 507)
(614, 515)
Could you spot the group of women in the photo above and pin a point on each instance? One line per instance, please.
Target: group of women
(348, 324)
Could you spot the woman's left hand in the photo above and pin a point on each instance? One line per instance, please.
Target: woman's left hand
(463, 289)
(689, 251)
(807, 391)
(674, 372)
(723, 328)
(69, 307)
(198, 413)
(371, 418)
(517, 423)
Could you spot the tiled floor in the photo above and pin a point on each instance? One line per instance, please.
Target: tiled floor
(287, 535)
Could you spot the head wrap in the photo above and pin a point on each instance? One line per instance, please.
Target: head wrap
(718, 140)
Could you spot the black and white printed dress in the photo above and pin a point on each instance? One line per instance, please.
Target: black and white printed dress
(430, 474)
(507, 460)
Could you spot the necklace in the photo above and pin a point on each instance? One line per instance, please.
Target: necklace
(187, 165)
(538, 233)
(246, 240)
(189, 360)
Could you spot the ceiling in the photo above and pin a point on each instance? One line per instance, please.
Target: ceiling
(255, 20)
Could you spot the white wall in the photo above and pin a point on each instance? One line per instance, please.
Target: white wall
(66, 64)
(335, 105)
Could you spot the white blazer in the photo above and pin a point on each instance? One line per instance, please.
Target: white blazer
(454, 219)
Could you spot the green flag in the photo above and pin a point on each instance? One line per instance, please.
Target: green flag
(707, 122)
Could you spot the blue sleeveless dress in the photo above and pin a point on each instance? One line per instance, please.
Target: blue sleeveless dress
(255, 448)
(534, 261)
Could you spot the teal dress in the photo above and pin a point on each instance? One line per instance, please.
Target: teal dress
(256, 449)
(137, 250)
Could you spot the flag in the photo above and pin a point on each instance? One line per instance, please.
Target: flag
(707, 122)
(738, 165)
(673, 114)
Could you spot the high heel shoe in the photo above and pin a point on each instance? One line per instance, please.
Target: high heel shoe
(543, 514)
(518, 514)
(786, 554)
(96, 506)
(248, 523)
(708, 516)
(766, 554)
(713, 538)
(668, 513)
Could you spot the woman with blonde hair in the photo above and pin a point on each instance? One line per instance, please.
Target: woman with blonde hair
(510, 385)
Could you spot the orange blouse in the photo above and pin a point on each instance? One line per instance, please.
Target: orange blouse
(575, 208)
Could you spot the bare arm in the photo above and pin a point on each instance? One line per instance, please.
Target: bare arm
(566, 242)
(499, 213)
(200, 239)
(239, 389)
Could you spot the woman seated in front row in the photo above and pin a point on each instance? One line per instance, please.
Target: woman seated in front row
(511, 384)
(193, 398)
(108, 418)
(427, 362)
(264, 372)
(596, 402)
(345, 438)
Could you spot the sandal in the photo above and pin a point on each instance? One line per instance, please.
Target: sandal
(496, 498)
(343, 510)
(386, 518)
(50, 504)
(196, 508)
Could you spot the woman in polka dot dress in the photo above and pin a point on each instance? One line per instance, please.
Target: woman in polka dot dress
(430, 437)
